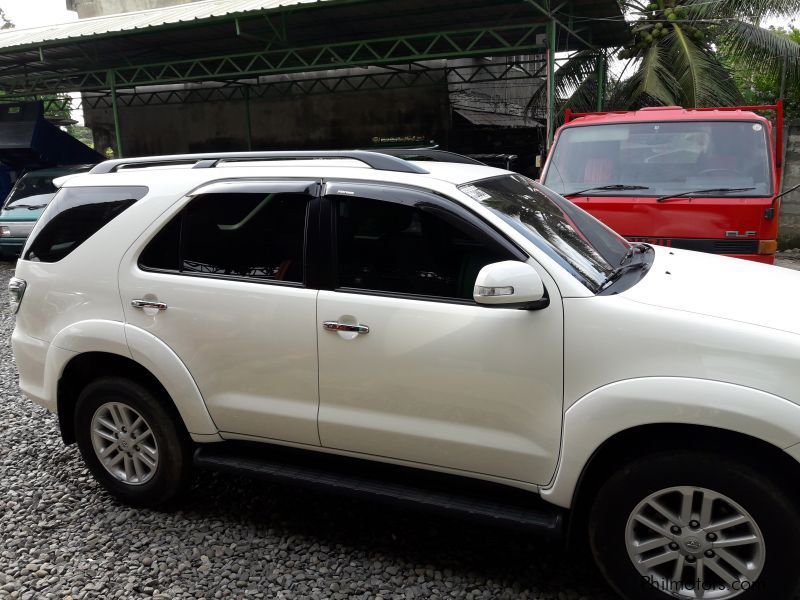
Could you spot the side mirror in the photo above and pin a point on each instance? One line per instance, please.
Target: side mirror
(510, 284)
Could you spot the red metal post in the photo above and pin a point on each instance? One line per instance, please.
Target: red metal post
(779, 134)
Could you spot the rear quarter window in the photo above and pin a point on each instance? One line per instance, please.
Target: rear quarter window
(75, 215)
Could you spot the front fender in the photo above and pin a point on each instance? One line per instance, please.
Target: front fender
(114, 337)
(623, 405)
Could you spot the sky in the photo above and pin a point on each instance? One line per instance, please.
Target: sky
(31, 13)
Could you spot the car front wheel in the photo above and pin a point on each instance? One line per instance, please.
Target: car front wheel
(695, 525)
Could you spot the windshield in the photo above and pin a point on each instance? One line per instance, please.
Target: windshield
(573, 238)
(666, 157)
(31, 190)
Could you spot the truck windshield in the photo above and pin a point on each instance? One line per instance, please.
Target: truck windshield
(569, 235)
(666, 157)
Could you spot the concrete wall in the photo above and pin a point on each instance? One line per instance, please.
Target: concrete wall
(96, 8)
(345, 120)
(789, 231)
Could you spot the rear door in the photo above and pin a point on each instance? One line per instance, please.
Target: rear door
(426, 375)
(228, 265)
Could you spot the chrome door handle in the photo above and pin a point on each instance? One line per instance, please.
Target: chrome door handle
(336, 326)
(148, 304)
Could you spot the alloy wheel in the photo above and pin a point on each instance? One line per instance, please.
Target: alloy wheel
(124, 443)
(692, 542)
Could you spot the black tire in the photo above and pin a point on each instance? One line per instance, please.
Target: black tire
(767, 503)
(173, 467)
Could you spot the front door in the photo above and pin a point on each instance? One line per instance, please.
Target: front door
(411, 368)
(229, 266)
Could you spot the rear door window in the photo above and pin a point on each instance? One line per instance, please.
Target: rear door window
(257, 236)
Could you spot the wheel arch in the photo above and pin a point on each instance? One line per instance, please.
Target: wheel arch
(652, 438)
(86, 367)
(90, 349)
(624, 419)
(611, 409)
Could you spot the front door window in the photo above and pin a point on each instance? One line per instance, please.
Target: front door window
(388, 247)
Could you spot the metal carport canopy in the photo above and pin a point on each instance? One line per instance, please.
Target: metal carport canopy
(219, 40)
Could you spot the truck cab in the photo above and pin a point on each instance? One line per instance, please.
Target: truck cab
(694, 179)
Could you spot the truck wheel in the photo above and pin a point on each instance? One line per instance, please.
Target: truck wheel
(695, 525)
(131, 443)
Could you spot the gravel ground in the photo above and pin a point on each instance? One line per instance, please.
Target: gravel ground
(62, 537)
(789, 259)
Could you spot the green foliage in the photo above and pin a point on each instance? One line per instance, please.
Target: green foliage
(82, 134)
(653, 79)
(691, 53)
(763, 86)
(575, 83)
(673, 48)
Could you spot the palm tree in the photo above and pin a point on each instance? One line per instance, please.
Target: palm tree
(673, 55)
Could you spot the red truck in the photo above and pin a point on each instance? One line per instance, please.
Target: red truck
(699, 179)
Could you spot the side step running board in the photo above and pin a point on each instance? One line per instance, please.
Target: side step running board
(505, 507)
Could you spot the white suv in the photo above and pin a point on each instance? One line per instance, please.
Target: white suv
(447, 335)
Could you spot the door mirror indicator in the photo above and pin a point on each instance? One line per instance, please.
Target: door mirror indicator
(510, 284)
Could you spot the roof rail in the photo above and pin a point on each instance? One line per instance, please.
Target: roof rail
(378, 161)
(431, 154)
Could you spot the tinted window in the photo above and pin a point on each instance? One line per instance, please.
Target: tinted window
(578, 241)
(258, 236)
(75, 215)
(390, 247)
(163, 251)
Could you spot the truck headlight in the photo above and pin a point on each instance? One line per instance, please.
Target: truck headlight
(4, 231)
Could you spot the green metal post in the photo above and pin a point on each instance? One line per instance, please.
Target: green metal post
(247, 118)
(551, 83)
(112, 84)
(601, 80)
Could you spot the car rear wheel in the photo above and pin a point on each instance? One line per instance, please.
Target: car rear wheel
(695, 525)
(131, 443)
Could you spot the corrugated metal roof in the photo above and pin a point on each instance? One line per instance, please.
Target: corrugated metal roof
(221, 40)
(143, 19)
